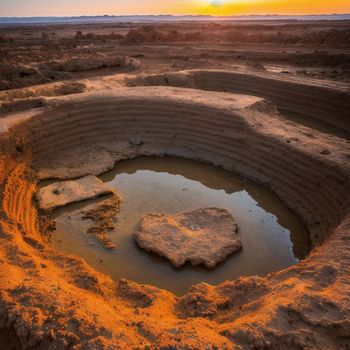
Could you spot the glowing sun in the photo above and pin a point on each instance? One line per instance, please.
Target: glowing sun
(216, 2)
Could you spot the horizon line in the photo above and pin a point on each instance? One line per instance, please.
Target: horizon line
(182, 15)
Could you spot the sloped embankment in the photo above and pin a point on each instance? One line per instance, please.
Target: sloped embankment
(53, 300)
(329, 105)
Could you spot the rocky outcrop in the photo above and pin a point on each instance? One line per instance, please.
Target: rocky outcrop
(202, 236)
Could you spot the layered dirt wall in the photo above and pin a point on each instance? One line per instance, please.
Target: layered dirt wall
(185, 123)
(51, 300)
(319, 102)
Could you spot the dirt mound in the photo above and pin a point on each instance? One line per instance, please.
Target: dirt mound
(14, 76)
(87, 63)
(150, 34)
(103, 216)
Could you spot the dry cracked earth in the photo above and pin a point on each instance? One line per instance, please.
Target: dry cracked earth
(270, 102)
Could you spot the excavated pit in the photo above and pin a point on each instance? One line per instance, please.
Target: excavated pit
(53, 299)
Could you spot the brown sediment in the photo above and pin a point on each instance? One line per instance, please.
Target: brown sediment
(52, 299)
(103, 216)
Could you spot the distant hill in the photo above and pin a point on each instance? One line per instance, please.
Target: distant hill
(161, 18)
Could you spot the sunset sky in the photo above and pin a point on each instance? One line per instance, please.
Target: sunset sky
(176, 7)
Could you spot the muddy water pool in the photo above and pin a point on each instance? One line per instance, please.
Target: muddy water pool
(273, 237)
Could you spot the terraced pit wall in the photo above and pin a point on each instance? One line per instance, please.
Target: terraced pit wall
(50, 299)
(324, 103)
(310, 182)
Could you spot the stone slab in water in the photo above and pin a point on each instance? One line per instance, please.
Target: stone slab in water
(62, 193)
(202, 236)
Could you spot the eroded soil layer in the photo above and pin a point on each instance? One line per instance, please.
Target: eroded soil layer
(322, 106)
(53, 300)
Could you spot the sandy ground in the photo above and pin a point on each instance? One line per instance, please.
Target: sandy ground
(176, 94)
(46, 53)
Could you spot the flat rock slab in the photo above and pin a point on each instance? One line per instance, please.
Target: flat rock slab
(62, 193)
(202, 236)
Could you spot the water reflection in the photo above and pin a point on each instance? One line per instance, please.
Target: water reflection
(272, 236)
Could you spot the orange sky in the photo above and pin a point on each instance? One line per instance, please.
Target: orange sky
(276, 7)
(177, 7)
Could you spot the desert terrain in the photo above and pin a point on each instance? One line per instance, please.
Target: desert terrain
(267, 100)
